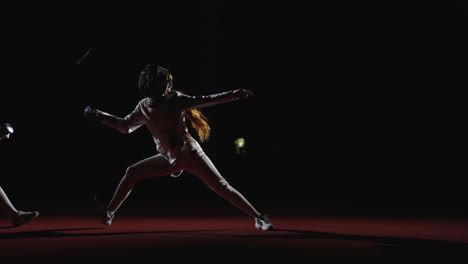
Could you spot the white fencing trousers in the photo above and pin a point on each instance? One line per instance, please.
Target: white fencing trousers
(6, 205)
(192, 159)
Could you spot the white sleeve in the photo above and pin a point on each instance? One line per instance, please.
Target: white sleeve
(129, 123)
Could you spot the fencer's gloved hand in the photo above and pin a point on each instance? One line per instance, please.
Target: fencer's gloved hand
(93, 114)
(242, 93)
(5, 131)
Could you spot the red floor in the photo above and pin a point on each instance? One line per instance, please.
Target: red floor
(82, 238)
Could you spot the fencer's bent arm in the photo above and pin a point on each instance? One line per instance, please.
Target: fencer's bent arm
(124, 125)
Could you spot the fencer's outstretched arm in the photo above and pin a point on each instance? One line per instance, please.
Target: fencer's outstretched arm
(200, 101)
(125, 125)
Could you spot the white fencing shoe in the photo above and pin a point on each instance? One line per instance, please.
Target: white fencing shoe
(264, 223)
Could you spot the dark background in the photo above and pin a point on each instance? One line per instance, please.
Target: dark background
(356, 105)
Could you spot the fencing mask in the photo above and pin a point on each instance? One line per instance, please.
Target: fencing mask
(153, 80)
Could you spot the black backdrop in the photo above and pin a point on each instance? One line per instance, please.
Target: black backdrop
(354, 104)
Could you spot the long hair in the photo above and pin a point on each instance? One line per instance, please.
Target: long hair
(197, 119)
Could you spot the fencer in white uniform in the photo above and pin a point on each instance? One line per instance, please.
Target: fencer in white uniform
(164, 111)
(17, 217)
